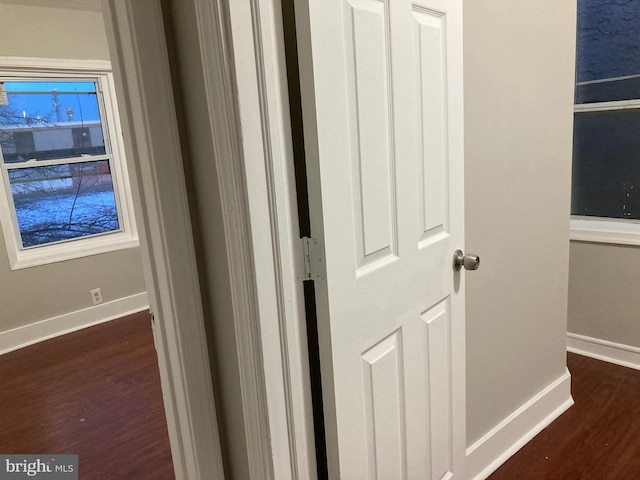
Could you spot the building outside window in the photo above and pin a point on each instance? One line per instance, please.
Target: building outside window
(65, 189)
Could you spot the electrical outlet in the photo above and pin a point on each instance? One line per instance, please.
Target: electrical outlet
(96, 296)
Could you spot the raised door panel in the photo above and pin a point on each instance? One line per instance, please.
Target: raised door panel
(430, 50)
(384, 404)
(371, 132)
(437, 340)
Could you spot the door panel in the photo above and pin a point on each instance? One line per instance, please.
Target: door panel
(436, 338)
(430, 51)
(369, 111)
(384, 397)
(382, 103)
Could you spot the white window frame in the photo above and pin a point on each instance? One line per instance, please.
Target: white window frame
(127, 236)
(603, 229)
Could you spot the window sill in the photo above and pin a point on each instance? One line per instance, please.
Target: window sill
(74, 249)
(599, 230)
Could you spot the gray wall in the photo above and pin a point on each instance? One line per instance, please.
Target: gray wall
(519, 76)
(603, 292)
(27, 31)
(37, 293)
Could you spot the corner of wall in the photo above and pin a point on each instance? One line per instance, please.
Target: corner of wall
(32, 333)
(510, 435)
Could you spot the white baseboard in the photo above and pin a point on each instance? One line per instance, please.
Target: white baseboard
(26, 335)
(611, 352)
(510, 435)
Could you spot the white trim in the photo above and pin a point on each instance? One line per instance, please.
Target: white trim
(605, 230)
(274, 223)
(137, 44)
(510, 435)
(84, 247)
(58, 65)
(127, 237)
(42, 330)
(217, 64)
(605, 80)
(260, 223)
(606, 106)
(612, 352)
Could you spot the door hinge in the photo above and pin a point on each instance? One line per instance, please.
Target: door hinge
(313, 256)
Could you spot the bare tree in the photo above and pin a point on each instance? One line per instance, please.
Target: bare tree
(51, 201)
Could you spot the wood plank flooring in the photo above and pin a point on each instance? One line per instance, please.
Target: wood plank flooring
(95, 393)
(596, 439)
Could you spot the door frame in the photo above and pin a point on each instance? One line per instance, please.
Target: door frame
(259, 76)
(242, 54)
(137, 45)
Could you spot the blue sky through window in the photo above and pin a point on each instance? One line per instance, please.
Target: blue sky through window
(76, 101)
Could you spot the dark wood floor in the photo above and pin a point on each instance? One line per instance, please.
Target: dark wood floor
(95, 393)
(598, 438)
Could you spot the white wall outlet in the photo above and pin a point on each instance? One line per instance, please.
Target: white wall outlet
(96, 296)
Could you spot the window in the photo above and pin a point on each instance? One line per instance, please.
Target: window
(65, 190)
(605, 199)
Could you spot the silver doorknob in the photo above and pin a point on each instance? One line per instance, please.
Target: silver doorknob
(469, 261)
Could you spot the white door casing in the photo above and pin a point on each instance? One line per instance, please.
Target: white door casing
(135, 32)
(381, 84)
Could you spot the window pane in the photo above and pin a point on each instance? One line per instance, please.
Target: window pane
(608, 48)
(63, 202)
(50, 120)
(606, 164)
(609, 91)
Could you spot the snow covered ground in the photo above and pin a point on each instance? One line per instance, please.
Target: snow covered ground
(64, 215)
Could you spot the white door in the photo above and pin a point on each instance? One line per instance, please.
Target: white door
(382, 98)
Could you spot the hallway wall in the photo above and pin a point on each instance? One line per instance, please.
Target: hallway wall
(519, 77)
